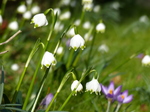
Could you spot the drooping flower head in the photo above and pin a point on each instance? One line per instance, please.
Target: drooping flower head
(76, 42)
(101, 27)
(146, 60)
(75, 84)
(39, 20)
(21, 9)
(110, 92)
(45, 102)
(48, 59)
(93, 86)
(124, 98)
(13, 25)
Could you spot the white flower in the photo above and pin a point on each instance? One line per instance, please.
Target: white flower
(21, 9)
(14, 67)
(39, 20)
(60, 50)
(27, 15)
(35, 9)
(116, 5)
(96, 8)
(87, 25)
(77, 22)
(144, 19)
(58, 26)
(48, 59)
(100, 27)
(93, 86)
(88, 37)
(87, 1)
(75, 84)
(146, 60)
(76, 42)
(71, 32)
(13, 25)
(103, 48)
(1, 19)
(57, 10)
(29, 2)
(88, 7)
(65, 15)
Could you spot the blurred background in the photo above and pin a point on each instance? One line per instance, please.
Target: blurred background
(126, 35)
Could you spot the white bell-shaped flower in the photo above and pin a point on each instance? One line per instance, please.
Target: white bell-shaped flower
(101, 27)
(93, 86)
(13, 25)
(39, 20)
(146, 60)
(48, 59)
(35, 9)
(76, 42)
(27, 15)
(21, 9)
(74, 86)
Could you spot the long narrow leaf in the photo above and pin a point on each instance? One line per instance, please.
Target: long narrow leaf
(2, 85)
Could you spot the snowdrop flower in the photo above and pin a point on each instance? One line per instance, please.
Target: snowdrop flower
(27, 15)
(45, 102)
(35, 9)
(87, 25)
(39, 20)
(60, 50)
(146, 60)
(57, 10)
(88, 7)
(77, 22)
(1, 19)
(21, 9)
(48, 59)
(14, 67)
(65, 2)
(116, 5)
(87, 1)
(100, 27)
(74, 85)
(29, 2)
(13, 25)
(144, 19)
(71, 32)
(93, 86)
(58, 26)
(65, 15)
(124, 98)
(103, 48)
(96, 9)
(88, 37)
(110, 92)
(76, 42)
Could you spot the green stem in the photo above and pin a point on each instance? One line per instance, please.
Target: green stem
(65, 78)
(2, 85)
(118, 107)
(40, 90)
(108, 106)
(3, 6)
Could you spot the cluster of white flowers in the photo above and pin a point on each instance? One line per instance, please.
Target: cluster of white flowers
(27, 14)
(92, 86)
(87, 5)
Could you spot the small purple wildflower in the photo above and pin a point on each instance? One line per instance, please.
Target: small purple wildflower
(110, 92)
(45, 102)
(124, 98)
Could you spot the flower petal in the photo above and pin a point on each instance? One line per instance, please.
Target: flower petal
(128, 99)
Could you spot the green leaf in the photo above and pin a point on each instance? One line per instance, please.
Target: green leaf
(1, 85)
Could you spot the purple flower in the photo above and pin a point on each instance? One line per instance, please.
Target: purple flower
(45, 102)
(124, 98)
(110, 92)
